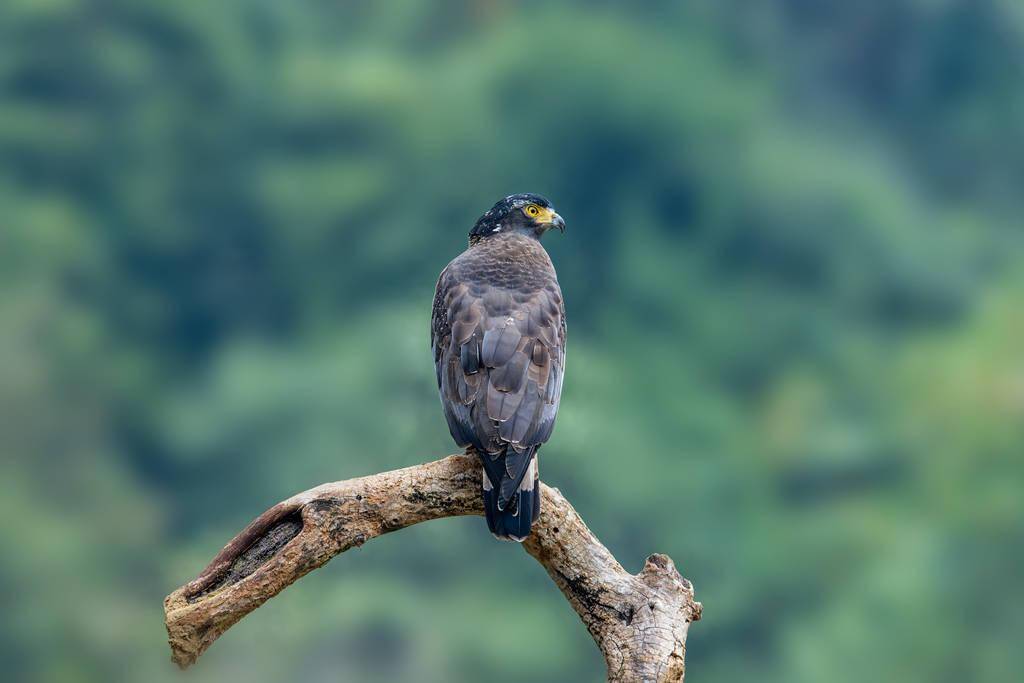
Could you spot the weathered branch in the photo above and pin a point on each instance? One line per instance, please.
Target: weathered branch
(639, 622)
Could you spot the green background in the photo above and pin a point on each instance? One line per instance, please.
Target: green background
(794, 272)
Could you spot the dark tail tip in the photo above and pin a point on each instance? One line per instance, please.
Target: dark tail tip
(514, 522)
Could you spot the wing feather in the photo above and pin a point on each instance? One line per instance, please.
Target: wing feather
(500, 358)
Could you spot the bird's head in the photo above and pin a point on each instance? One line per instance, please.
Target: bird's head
(526, 214)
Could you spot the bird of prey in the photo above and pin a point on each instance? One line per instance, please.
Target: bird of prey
(498, 336)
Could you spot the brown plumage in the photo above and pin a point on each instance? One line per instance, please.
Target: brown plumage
(498, 336)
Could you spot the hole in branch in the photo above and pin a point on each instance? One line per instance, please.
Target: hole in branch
(261, 550)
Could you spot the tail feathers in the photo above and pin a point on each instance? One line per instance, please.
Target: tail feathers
(516, 465)
(513, 521)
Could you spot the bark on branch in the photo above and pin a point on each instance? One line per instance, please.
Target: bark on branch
(639, 622)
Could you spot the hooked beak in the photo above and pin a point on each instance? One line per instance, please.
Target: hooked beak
(558, 222)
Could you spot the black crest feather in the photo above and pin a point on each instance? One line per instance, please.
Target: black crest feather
(487, 223)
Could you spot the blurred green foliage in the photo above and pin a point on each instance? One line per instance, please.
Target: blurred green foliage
(795, 285)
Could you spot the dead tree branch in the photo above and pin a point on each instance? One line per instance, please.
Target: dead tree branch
(639, 622)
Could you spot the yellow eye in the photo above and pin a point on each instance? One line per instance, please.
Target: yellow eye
(532, 210)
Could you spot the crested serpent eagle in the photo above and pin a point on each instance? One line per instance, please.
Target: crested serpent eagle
(498, 336)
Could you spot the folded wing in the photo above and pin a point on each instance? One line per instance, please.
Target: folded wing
(500, 359)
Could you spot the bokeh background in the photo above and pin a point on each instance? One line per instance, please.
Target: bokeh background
(794, 271)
